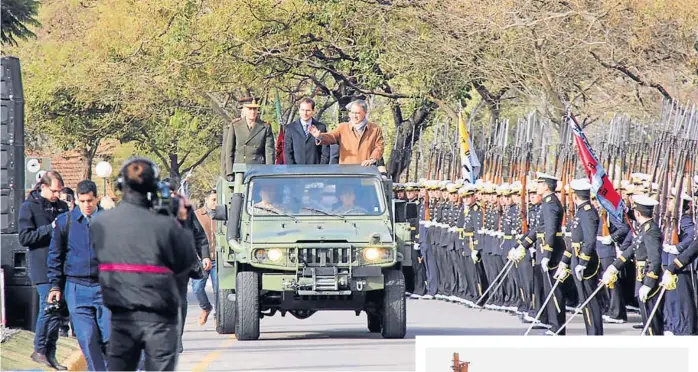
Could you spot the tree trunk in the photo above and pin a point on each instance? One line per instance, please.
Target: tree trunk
(174, 168)
(401, 155)
(88, 154)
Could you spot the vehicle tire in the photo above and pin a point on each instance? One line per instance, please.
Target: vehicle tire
(247, 306)
(394, 311)
(225, 313)
(374, 322)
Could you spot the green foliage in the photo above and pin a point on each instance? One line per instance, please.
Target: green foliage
(15, 16)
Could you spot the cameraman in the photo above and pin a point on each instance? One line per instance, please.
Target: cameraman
(187, 219)
(142, 259)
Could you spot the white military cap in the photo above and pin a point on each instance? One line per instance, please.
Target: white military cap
(581, 184)
(645, 200)
(467, 189)
(638, 178)
(540, 176)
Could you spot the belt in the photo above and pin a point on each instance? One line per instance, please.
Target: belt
(540, 235)
(469, 233)
(576, 245)
(508, 237)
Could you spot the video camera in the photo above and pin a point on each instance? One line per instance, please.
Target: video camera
(165, 203)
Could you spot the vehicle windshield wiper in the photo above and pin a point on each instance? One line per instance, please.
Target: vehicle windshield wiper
(325, 213)
(276, 212)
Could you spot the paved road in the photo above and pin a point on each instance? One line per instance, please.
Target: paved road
(340, 341)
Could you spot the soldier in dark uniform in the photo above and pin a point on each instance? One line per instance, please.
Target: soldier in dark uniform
(421, 238)
(447, 219)
(428, 246)
(552, 249)
(439, 240)
(607, 247)
(646, 249)
(510, 227)
(249, 140)
(418, 270)
(581, 256)
(454, 246)
(491, 247)
(670, 281)
(679, 305)
(531, 274)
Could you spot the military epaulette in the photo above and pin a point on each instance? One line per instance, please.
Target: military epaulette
(647, 227)
(548, 199)
(587, 207)
(476, 207)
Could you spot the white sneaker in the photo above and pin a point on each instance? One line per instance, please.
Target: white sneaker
(549, 333)
(668, 333)
(427, 297)
(408, 294)
(608, 319)
(415, 297)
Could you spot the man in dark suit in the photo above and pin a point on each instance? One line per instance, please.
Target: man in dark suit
(249, 140)
(299, 145)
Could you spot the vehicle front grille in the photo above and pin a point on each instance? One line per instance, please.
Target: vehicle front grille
(325, 256)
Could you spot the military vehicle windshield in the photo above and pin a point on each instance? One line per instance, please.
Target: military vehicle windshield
(315, 196)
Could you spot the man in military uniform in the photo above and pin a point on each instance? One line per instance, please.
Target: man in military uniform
(529, 259)
(268, 204)
(646, 249)
(510, 228)
(607, 248)
(581, 256)
(418, 268)
(456, 284)
(441, 240)
(552, 249)
(679, 305)
(249, 140)
(470, 221)
(427, 245)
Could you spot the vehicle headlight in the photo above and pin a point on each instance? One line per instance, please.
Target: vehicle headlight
(260, 254)
(371, 254)
(275, 254)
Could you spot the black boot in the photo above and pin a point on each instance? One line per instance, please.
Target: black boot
(41, 359)
(54, 363)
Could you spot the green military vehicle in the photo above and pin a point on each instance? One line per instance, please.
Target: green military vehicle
(302, 238)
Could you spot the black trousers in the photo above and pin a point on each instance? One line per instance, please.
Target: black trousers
(657, 325)
(556, 305)
(460, 270)
(679, 308)
(592, 311)
(539, 293)
(616, 298)
(420, 273)
(447, 263)
(157, 339)
(525, 274)
(474, 289)
(497, 267)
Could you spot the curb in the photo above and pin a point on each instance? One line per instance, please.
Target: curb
(76, 361)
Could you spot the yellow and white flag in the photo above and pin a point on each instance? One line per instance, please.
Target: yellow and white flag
(470, 162)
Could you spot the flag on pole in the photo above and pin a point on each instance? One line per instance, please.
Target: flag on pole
(280, 140)
(469, 161)
(601, 186)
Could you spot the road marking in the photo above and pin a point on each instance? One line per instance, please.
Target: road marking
(212, 356)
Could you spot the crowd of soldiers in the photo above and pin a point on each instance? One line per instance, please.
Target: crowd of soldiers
(473, 246)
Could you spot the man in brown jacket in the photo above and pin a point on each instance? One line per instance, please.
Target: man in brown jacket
(360, 141)
(205, 217)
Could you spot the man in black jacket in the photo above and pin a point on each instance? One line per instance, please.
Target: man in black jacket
(299, 145)
(37, 219)
(144, 258)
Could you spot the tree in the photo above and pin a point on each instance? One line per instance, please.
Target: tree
(16, 15)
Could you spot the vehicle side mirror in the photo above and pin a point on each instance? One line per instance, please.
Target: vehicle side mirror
(399, 210)
(411, 211)
(235, 214)
(221, 213)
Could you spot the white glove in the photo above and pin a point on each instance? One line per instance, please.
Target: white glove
(668, 248)
(667, 279)
(544, 264)
(520, 252)
(606, 240)
(643, 293)
(416, 246)
(474, 255)
(560, 272)
(609, 274)
(532, 251)
(618, 252)
(579, 272)
(511, 256)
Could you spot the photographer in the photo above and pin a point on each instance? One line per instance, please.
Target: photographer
(37, 217)
(187, 218)
(143, 258)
